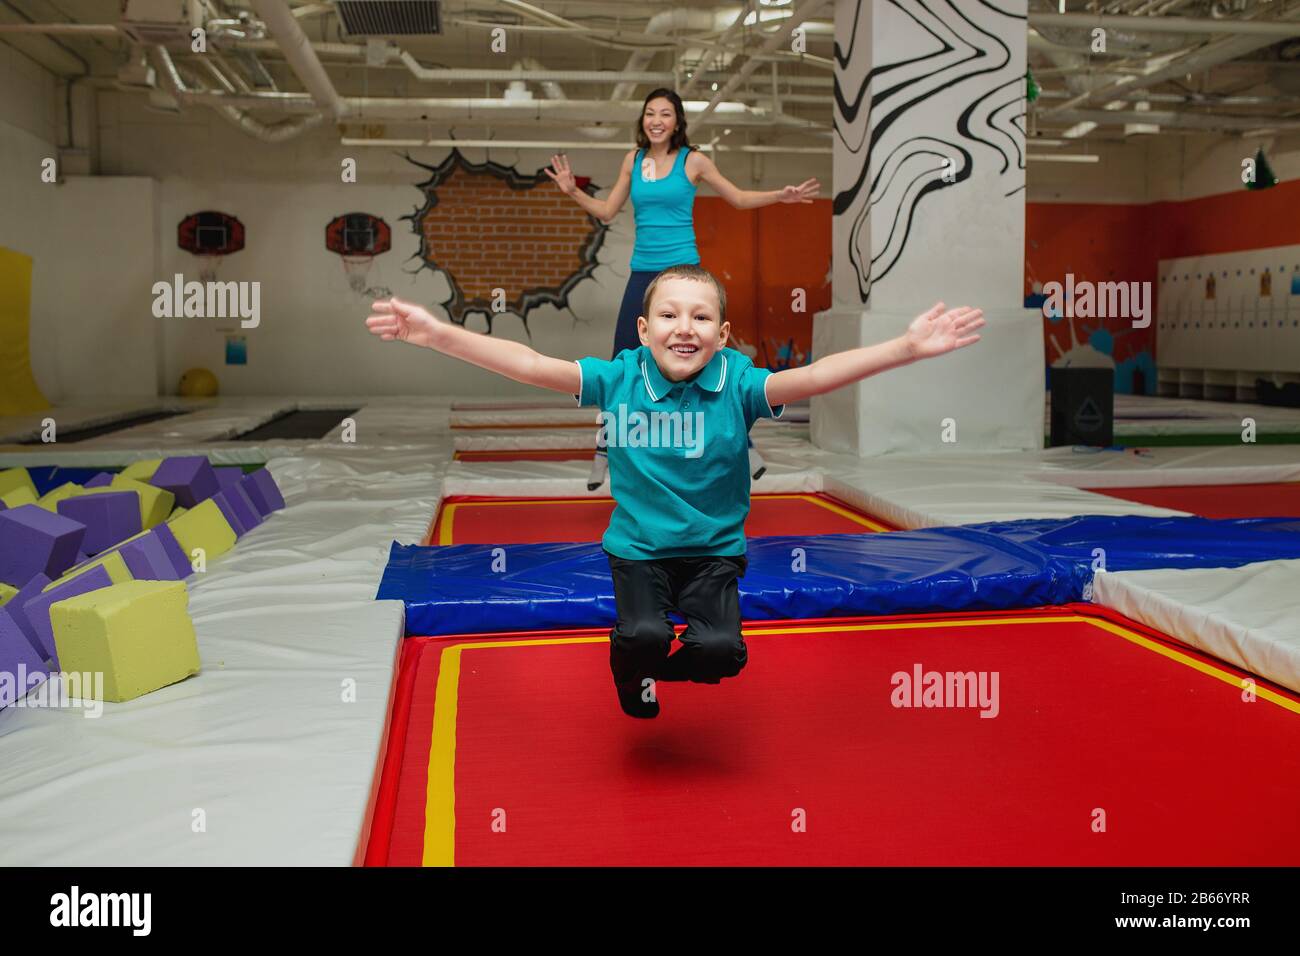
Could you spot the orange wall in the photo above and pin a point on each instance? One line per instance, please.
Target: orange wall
(1101, 243)
(762, 256)
(1232, 222)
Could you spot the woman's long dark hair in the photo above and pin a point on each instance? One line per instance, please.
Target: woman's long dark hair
(678, 139)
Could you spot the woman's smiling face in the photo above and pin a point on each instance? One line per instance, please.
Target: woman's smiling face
(659, 121)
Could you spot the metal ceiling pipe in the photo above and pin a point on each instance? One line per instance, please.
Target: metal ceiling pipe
(68, 29)
(1277, 30)
(1202, 58)
(551, 145)
(354, 51)
(302, 58)
(462, 108)
(175, 85)
(345, 51)
(1186, 99)
(723, 40)
(677, 19)
(536, 72)
(777, 39)
(1201, 121)
(234, 75)
(466, 108)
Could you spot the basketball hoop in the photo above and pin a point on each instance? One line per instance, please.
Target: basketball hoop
(208, 266)
(357, 237)
(209, 236)
(357, 268)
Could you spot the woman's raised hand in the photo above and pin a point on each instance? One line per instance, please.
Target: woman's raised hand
(805, 192)
(563, 175)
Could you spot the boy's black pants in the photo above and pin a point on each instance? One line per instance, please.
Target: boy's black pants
(704, 591)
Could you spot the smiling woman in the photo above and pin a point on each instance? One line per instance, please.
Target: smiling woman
(661, 176)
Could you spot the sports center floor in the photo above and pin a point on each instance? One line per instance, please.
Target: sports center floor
(1165, 704)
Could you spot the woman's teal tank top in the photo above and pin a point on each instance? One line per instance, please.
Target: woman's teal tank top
(665, 227)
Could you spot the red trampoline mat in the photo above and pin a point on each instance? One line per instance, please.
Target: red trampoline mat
(527, 521)
(535, 454)
(1275, 500)
(1184, 770)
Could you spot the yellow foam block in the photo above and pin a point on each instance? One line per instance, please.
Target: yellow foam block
(113, 563)
(50, 500)
(140, 470)
(155, 503)
(138, 634)
(178, 512)
(203, 526)
(7, 591)
(19, 394)
(19, 496)
(13, 478)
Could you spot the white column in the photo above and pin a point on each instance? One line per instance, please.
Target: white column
(929, 192)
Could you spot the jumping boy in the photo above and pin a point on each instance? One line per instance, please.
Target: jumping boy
(676, 413)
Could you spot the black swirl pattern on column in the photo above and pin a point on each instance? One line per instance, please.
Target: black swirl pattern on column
(954, 78)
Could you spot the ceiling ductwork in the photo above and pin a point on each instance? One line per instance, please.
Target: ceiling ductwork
(697, 21)
(385, 18)
(1221, 66)
(164, 21)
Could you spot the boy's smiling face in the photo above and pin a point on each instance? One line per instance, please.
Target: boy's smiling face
(684, 329)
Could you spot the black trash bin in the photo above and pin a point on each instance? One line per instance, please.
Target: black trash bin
(1083, 406)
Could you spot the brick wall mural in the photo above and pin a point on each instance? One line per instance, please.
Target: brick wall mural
(489, 227)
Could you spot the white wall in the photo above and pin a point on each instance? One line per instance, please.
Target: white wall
(92, 243)
(90, 288)
(1162, 168)
(1121, 174)
(312, 337)
(27, 136)
(1189, 167)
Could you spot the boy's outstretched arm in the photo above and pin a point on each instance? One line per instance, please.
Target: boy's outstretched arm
(395, 319)
(933, 333)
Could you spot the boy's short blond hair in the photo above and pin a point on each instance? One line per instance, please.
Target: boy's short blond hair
(696, 273)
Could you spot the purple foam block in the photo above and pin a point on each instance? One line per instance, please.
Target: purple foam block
(15, 607)
(35, 541)
(149, 558)
(243, 502)
(38, 608)
(191, 479)
(3, 506)
(109, 518)
(263, 491)
(20, 669)
(101, 480)
(238, 509)
(228, 475)
(180, 561)
(229, 513)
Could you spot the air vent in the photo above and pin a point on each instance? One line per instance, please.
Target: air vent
(389, 17)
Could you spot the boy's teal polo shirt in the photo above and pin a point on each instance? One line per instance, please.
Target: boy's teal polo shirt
(681, 480)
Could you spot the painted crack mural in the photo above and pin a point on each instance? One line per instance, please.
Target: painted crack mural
(504, 245)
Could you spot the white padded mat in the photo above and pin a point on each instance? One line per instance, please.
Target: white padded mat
(1246, 615)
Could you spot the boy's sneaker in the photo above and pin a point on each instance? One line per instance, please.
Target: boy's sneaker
(599, 470)
(632, 698)
(756, 463)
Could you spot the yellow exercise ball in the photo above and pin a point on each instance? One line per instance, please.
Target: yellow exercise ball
(198, 383)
